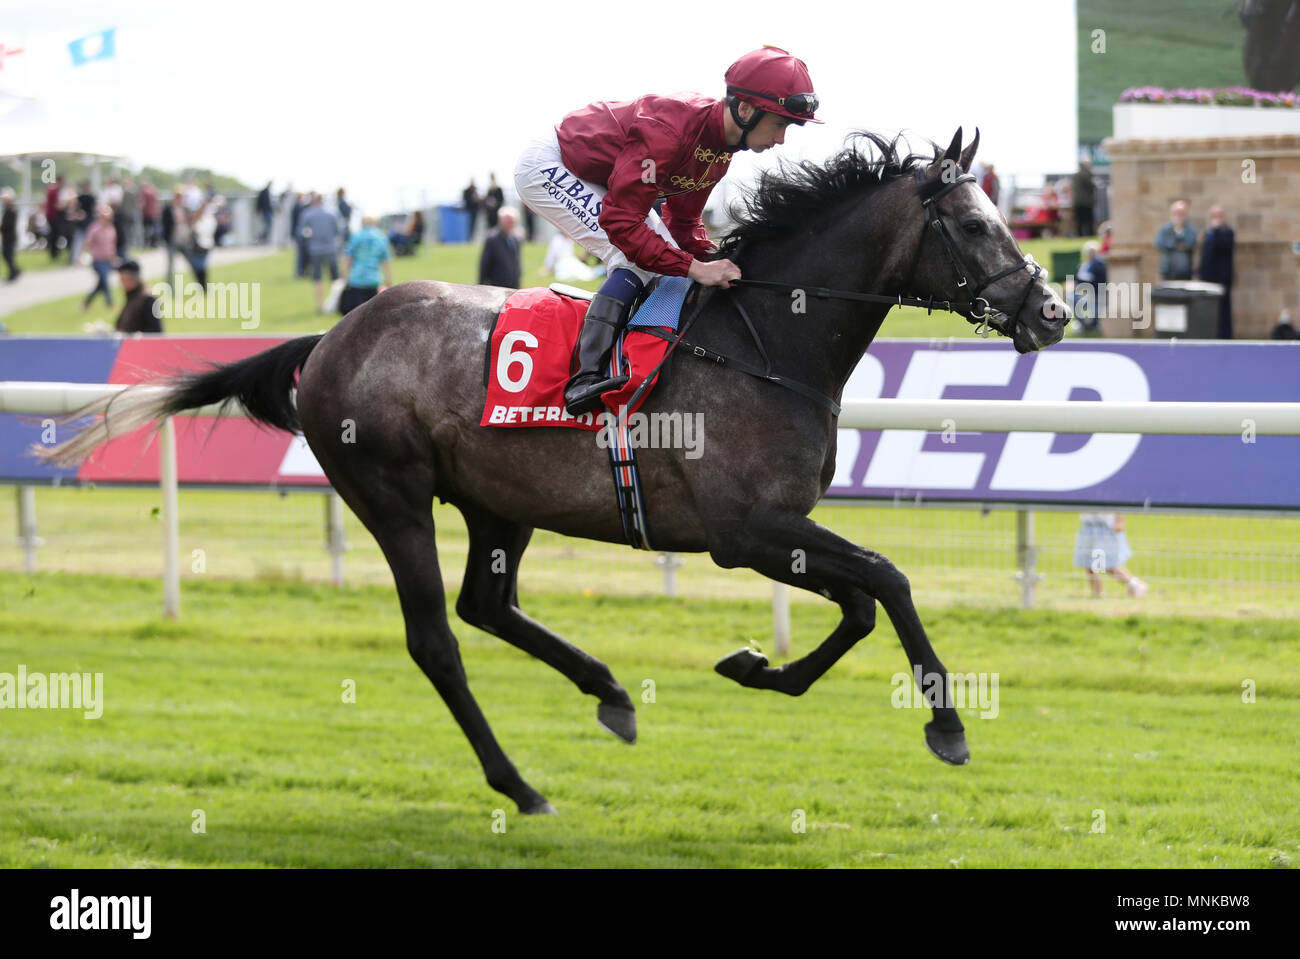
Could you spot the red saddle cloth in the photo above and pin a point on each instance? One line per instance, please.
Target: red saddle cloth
(528, 362)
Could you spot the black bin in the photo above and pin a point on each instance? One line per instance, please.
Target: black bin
(1187, 309)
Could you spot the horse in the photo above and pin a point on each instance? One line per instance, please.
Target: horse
(1271, 53)
(390, 398)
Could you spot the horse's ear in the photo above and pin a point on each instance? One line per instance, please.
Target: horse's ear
(944, 164)
(968, 154)
(953, 152)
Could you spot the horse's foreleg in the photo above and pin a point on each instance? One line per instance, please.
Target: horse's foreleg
(794, 550)
(489, 600)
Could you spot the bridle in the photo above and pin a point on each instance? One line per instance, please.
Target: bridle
(985, 318)
(976, 310)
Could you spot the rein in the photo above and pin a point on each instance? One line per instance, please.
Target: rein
(986, 318)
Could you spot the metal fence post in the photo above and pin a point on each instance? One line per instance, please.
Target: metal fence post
(1027, 556)
(167, 482)
(336, 540)
(671, 562)
(28, 541)
(781, 617)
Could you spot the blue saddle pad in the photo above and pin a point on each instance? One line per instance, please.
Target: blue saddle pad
(663, 307)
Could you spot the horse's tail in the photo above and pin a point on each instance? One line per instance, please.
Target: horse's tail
(261, 384)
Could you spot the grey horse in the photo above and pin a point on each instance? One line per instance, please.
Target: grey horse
(390, 399)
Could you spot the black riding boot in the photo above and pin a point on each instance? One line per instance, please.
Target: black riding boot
(600, 328)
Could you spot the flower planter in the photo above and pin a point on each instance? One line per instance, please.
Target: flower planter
(1163, 121)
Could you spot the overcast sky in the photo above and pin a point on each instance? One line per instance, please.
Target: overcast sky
(403, 103)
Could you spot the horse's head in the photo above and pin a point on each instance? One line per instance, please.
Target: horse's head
(968, 255)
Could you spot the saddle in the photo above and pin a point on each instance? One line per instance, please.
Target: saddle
(530, 350)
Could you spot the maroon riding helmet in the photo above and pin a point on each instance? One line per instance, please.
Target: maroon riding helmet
(773, 81)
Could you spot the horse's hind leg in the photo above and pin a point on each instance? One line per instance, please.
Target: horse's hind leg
(489, 599)
(395, 504)
(412, 554)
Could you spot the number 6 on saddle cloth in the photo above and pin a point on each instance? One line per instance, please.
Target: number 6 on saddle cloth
(528, 364)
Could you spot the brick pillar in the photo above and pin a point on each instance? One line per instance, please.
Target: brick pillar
(1256, 178)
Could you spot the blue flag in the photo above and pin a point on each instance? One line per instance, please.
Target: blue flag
(97, 46)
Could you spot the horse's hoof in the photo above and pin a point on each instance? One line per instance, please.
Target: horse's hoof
(947, 745)
(619, 720)
(742, 665)
(539, 809)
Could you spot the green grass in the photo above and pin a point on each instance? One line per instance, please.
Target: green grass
(34, 261)
(287, 304)
(1164, 43)
(1236, 566)
(237, 711)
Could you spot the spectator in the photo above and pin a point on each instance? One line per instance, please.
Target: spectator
(203, 237)
(1042, 210)
(101, 239)
(1101, 546)
(138, 312)
(39, 228)
(193, 196)
(1176, 241)
(122, 229)
(129, 231)
(319, 229)
(150, 208)
(1107, 238)
(175, 228)
(285, 209)
(492, 201)
(295, 223)
(499, 263)
(406, 240)
(265, 208)
(1049, 208)
(112, 194)
(79, 218)
(345, 213)
(367, 249)
(472, 201)
(221, 212)
(9, 231)
(1090, 288)
(54, 215)
(1085, 198)
(1284, 330)
(530, 223)
(1216, 265)
(990, 184)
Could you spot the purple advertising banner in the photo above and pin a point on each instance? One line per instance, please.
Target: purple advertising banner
(1243, 471)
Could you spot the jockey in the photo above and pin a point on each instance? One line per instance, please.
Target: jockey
(598, 176)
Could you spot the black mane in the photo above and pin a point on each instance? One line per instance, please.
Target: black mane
(797, 196)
